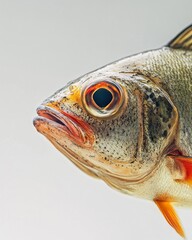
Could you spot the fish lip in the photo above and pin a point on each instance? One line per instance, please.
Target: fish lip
(72, 126)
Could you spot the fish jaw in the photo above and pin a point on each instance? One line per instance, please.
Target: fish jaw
(54, 123)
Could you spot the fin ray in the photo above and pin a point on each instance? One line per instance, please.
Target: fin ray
(186, 165)
(170, 215)
(183, 40)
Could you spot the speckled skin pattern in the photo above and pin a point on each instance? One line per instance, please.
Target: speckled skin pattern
(171, 69)
(130, 151)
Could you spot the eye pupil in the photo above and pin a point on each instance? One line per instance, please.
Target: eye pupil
(102, 97)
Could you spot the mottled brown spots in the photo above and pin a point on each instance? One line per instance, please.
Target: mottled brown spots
(155, 126)
(160, 114)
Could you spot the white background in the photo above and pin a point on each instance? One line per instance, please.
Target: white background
(43, 45)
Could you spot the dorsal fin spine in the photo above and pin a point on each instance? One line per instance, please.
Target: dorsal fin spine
(182, 40)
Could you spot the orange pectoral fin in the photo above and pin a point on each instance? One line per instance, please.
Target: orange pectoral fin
(171, 216)
(186, 164)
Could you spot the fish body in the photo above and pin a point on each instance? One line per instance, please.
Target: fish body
(129, 124)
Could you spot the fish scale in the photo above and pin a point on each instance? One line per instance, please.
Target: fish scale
(129, 124)
(177, 79)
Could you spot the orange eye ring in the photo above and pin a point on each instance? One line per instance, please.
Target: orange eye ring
(104, 98)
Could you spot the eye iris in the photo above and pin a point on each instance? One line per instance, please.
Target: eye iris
(102, 97)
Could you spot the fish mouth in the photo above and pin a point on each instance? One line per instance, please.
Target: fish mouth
(67, 124)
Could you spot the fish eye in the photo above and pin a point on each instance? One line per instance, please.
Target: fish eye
(103, 99)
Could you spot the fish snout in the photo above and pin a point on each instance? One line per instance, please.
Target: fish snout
(68, 125)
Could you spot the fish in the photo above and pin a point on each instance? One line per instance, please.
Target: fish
(129, 124)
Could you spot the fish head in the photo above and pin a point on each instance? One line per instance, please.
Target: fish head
(97, 121)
